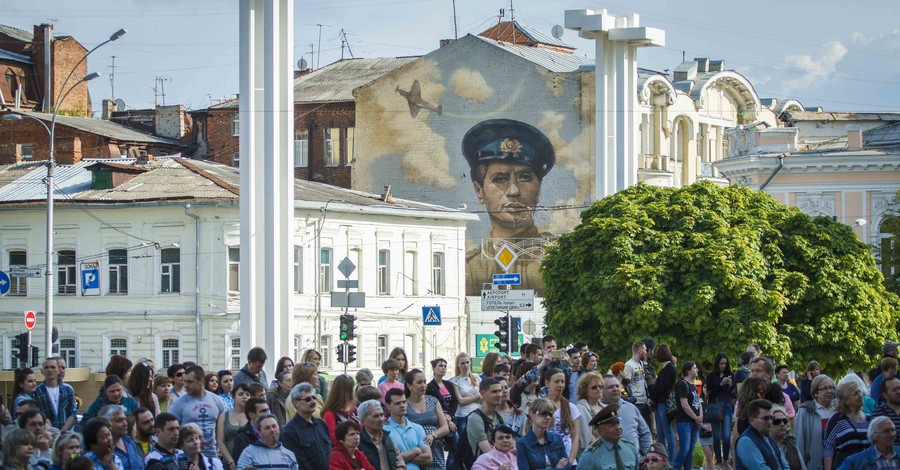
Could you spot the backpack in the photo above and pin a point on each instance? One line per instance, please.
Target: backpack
(462, 454)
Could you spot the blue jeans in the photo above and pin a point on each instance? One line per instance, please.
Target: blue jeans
(688, 435)
(664, 429)
(722, 434)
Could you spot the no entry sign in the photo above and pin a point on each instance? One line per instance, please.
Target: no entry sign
(30, 319)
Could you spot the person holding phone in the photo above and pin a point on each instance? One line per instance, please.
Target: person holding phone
(553, 357)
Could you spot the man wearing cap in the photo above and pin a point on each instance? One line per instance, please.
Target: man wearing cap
(609, 450)
(508, 161)
(634, 428)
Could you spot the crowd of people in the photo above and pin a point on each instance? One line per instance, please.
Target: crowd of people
(549, 408)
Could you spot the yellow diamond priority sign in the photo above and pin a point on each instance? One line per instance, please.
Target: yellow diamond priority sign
(506, 257)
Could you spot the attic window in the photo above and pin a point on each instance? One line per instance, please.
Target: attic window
(101, 180)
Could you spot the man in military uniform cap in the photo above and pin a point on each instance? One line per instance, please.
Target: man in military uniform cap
(609, 451)
(508, 161)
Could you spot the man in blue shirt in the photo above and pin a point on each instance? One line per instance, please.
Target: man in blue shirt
(409, 436)
(125, 448)
(755, 449)
(56, 399)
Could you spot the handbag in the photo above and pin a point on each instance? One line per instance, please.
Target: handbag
(714, 412)
(671, 403)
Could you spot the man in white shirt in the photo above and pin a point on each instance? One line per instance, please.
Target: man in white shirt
(634, 371)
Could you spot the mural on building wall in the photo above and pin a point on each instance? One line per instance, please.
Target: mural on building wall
(471, 125)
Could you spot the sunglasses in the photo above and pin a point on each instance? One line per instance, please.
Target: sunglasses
(307, 364)
(596, 387)
(653, 459)
(780, 422)
(179, 374)
(545, 414)
(308, 399)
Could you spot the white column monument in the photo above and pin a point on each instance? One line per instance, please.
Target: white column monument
(267, 175)
(617, 39)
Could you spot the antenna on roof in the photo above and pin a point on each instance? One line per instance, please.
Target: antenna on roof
(112, 78)
(512, 16)
(344, 41)
(455, 30)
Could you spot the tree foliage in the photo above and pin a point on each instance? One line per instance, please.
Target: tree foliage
(708, 269)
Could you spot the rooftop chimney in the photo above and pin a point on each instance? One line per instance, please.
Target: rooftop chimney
(854, 137)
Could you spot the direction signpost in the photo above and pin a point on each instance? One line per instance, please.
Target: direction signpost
(19, 271)
(4, 283)
(504, 299)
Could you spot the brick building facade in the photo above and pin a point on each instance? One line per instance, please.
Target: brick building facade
(323, 151)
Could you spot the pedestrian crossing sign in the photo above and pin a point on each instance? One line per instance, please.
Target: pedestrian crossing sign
(431, 316)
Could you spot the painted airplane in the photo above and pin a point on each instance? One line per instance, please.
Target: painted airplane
(415, 101)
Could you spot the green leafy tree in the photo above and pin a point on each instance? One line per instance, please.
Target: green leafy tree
(708, 269)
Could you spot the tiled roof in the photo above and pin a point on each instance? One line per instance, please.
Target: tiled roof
(106, 129)
(229, 104)
(16, 33)
(336, 82)
(553, 61)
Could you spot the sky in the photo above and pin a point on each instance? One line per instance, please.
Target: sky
(838, 55)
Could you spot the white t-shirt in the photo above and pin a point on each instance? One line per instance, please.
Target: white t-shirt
(53, 393)
(466, 389)
(635, 371)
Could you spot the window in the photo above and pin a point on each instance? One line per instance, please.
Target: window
(298, 269)
(325, 270)
(65, 282)
(348, 144)
(118, 346)
(18, 285)
(236, 159)
(410, 274)
(235, 124)
(326, 350)
(234, 269)
(234, 353)
(437, 274)
(67, 351)
(170, 272)
(298, 350)
(169, 352)
(384, 272)
(381, 349)
(118, 271)
(27, 151)
(332, 146)
(301, 149)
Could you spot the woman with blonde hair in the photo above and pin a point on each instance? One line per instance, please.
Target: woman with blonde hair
(66, 447)
(466, 384)
(540, 447)
(18, 446)
(847, 430)
(190, 441)
(304, 372)
(588, 391)
(314, 357)
(566, 414)
(810, 439)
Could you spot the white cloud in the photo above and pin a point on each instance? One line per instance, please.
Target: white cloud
(813, 69)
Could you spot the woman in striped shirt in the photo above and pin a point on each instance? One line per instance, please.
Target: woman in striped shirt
(846, 431)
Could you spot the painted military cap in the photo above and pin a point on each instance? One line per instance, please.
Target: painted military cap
(658, 449)
(608, 415)
(506, 140)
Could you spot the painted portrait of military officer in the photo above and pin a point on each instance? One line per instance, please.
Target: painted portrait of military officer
(508, 161)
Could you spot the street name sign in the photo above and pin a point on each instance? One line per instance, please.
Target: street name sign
(19, 271)
(507, 299)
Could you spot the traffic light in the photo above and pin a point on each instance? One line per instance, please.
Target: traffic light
(34, 356)
(502, 333)
(351, 353)
(340, 354)
(348, 327)
(23, 347)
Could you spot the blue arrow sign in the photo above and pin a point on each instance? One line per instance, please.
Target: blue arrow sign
(4, 283)
(507, 279)
(431, 316)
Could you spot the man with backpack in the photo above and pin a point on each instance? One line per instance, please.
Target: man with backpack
(480, 425)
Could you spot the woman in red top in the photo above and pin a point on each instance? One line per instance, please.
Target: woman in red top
(346, 454)
(339, 406)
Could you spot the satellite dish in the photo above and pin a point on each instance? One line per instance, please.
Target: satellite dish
(301, 64)
(120, 104)
(557, 31)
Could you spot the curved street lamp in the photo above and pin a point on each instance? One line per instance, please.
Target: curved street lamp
(51, 163)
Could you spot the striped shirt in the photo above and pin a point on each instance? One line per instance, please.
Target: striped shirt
(846, 435)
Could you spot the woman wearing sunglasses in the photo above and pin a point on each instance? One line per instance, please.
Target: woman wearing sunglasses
(785, 440)
(656, 458)
(540, 447)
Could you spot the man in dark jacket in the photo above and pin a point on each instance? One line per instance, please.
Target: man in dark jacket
(307, 437)
(380, 450)
(247, 434)
(253, 370)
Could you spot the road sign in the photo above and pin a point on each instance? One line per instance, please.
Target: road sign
(19, 271)
(90, 279)
(30, 319)
(485, 344)
(507, 279)
(504, 299)
(348, 284)
(4, 283)
(431, 316)
(346, 267)
(506, 257)
(357, 299)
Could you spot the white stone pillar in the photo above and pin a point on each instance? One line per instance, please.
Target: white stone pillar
(617, 39)
(267, 175)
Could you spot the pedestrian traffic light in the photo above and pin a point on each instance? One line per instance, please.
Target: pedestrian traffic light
(34, 356)
(351, 353)
(348, 327)
(340, 354)
(23, 346)
(502, 333)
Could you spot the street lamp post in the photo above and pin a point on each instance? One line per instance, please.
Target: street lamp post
(51, 162)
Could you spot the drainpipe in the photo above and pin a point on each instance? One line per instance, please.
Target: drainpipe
(780, 166)
(196, 274)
